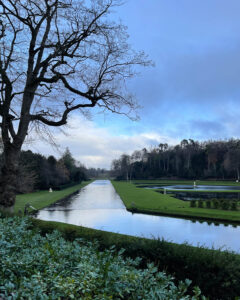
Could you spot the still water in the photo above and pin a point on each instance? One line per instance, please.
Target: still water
(197, 187)
(98, 206)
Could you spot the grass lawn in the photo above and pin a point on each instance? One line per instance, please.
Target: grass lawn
(43, 198)
(149, 201)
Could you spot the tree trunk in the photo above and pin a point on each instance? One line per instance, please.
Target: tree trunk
(164, 164)
(8, 180)
(167, 163)
(237, 173)
(127, 175)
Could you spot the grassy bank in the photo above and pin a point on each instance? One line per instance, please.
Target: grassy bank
(215, 272)
(42, 199)
(149, 201)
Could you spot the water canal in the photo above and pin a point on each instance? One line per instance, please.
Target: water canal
(98, 206)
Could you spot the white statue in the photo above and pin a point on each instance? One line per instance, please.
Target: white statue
(50, 190)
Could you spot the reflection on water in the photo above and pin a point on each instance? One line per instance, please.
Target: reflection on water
(197, 187)
(100, 194)
(98, 206)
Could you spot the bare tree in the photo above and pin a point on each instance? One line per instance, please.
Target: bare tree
(57, 57)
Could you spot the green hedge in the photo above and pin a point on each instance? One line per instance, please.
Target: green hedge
(216, 272)
(65, 186)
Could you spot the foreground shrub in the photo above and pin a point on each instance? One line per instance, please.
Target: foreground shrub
(37, 267)
(216, 272)
(200, 203)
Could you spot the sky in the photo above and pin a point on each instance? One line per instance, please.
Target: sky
(193, 91)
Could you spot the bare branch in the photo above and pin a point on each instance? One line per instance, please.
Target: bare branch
(63, 120)
(52, 51)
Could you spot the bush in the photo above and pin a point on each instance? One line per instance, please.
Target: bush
(200, 203)
(37, 267)
(208, 204)
(215, 204)
(65, 186)
(221, 269)
(193, 203)
(225, 205)
(234, 205)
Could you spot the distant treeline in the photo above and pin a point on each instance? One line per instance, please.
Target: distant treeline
(190, 159)
(38, 172)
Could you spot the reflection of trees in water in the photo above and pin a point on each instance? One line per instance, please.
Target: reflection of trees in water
(64, 203)
(66, 214)
(214, 223)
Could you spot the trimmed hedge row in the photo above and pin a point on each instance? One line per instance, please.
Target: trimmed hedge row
(216, 272)
(65, 186)
(215, 204)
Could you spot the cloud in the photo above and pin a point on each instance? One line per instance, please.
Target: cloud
(193, 92)
(211, 76)
(95, 146)
(196, 48)
(211, 129)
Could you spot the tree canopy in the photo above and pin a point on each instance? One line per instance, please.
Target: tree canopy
(57, 57)
(60, 56)
(189, 159)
